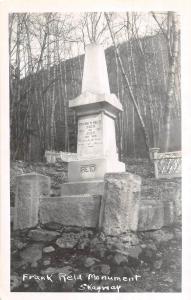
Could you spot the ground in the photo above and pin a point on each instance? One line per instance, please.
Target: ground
(156, 258)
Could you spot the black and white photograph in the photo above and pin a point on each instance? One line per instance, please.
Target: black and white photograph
(95, 151)
(95, 137)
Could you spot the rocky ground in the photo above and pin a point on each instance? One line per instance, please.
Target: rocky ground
(54, 258)
(61, 259)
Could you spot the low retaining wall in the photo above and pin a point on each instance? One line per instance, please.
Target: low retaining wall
(123, 205)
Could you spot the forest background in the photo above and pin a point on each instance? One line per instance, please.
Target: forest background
(46, 54)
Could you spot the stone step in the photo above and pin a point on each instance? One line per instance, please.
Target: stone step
(93, 187)
(73, 210)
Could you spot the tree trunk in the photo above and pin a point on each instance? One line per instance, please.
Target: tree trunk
(173, 40)
(127, 84)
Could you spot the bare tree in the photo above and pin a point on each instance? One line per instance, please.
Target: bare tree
(171, 34)
(35, 41)
(42, 79)
(93, 27)
(126, 80)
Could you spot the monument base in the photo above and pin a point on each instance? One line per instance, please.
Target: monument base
(75, 210)
(92, 187)
(93, 168)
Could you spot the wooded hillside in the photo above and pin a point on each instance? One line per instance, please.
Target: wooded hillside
(41, 120)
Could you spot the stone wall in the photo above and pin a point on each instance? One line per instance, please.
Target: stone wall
(159, 202)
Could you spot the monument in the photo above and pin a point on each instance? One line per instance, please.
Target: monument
(81, 202)
(96, 109)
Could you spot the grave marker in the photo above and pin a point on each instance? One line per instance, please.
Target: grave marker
(96, 110)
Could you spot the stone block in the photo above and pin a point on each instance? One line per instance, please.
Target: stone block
(178, 201)
(164, 191)
(169, 213)
(151, 215)
(31, 254)
(40, 235)
(94, 187)
(96, 136)
(48, 249)
(64, 242)
(29, 188)
(93, 168)
(75, 210)
(121, 199)
(91, 102)
(172, 193)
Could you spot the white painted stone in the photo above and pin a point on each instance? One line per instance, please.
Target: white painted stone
(69, 243)
(96, 110)
(90, 137)
(109, 138)
(95, 77)
(29, 188)
(96, 137)
(48, 249)
(87, 101)
(93, 168)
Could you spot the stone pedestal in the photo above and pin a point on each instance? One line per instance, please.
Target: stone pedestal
(121, 203)
(96, 141)
(29, 188)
